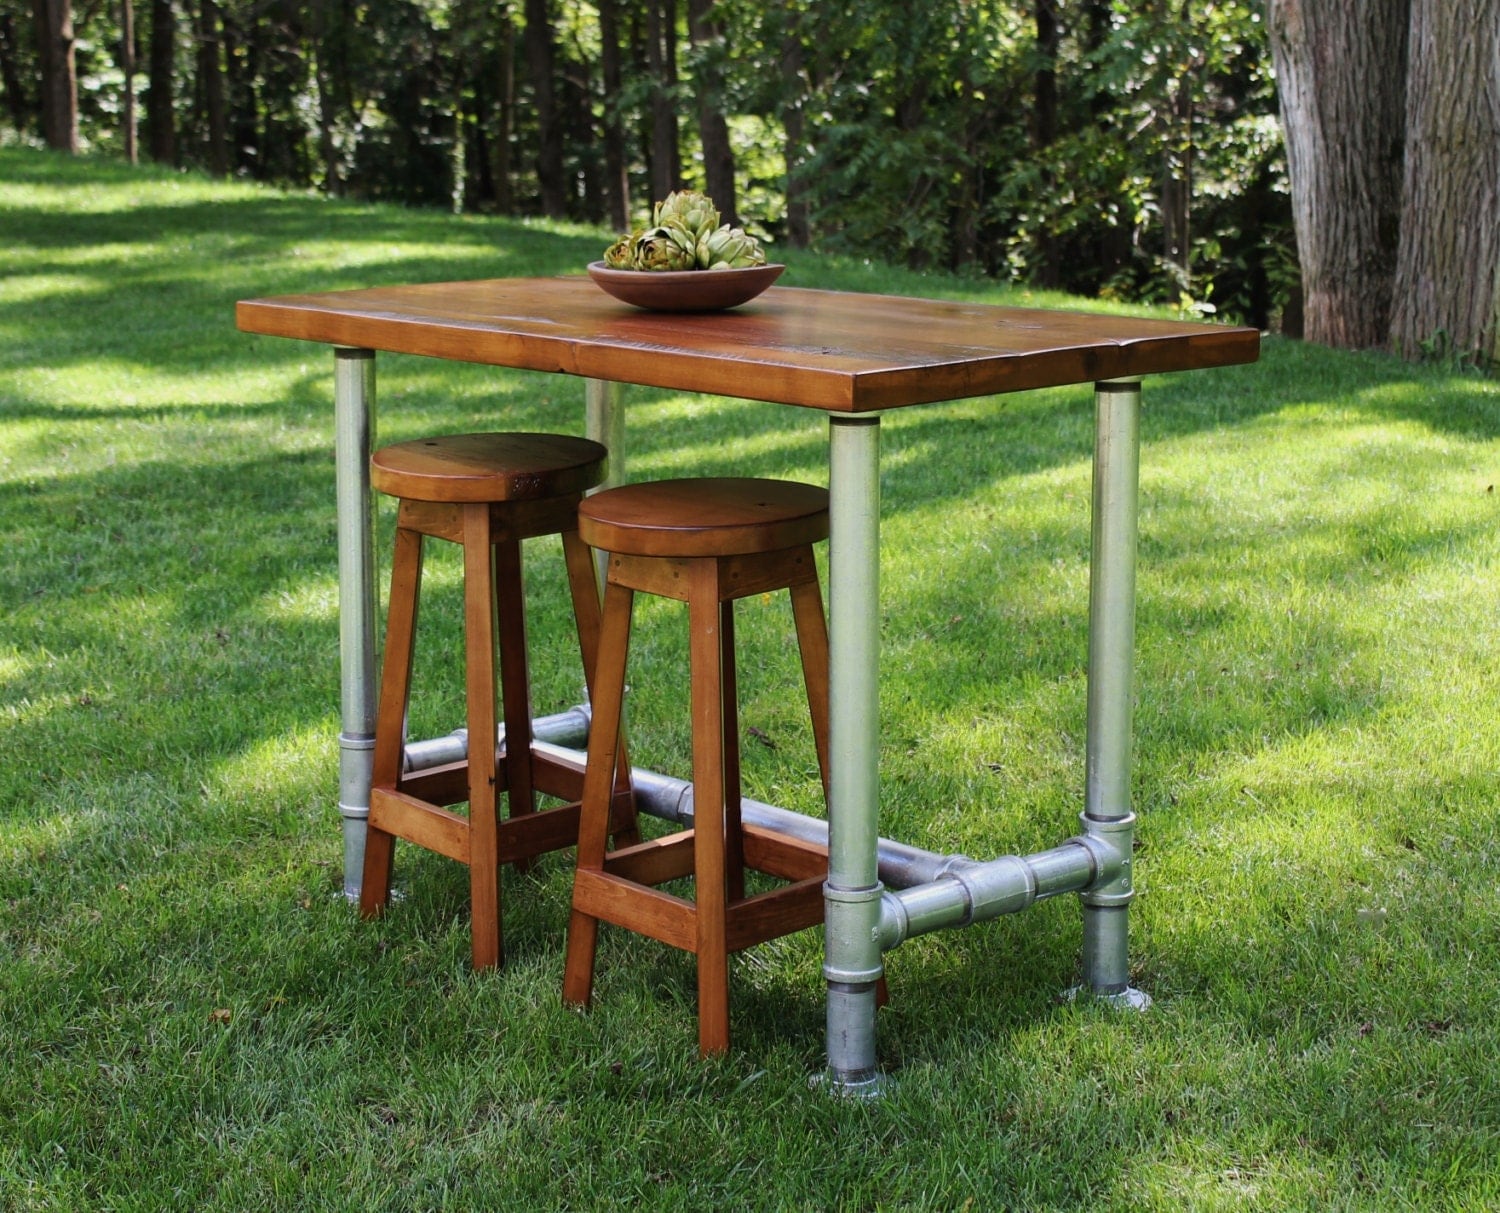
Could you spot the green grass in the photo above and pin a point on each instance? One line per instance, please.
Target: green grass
(192, 1017)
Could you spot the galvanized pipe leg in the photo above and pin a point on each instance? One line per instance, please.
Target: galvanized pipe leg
(353, 436)
(604, 423)
(1107, 808)
(852, 959)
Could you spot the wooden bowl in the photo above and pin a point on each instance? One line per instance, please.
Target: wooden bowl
(685, 290)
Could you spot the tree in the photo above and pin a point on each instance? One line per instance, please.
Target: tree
(616, 171)
(791, 62)
(713, 128)
(1341, 76)
(161, 72)
(541, 55)
(664, 151)
(1391, 110)
(54, 25)
(1447, 279)
(127, 66)
(211, 88)
(17, 103)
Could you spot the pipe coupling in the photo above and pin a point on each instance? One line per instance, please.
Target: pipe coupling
(852, 934)
(356, 762)
(1002, 886)
(1111, 841)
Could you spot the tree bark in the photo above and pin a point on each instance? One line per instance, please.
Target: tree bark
(54, 27)
(506, 86)
(793, 123)
(1341, 78)
(127, 69)
(540, 58)
(211, 76)
(161, 122)
(616, 174)
(661, 59)
(1177, 185)
(1447, 288)
(713, 129)
(10, 75)
(1044, 129)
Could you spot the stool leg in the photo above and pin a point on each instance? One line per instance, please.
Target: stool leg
(598, 780)
(734, 843)
(390, 723)
(584, 586)
(709, 824)
(812, 641)
(479, 676)
(515, 678)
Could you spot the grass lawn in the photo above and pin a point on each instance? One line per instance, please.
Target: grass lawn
(192, 1017)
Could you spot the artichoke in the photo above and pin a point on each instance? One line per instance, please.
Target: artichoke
(621, 254)
(660, 248)
(688, 210)
(685, 234)
(729, 248)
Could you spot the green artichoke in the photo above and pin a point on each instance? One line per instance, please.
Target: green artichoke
(729, 248)
(685, 234)
(692, 212)
(661, 248)
(621, 254)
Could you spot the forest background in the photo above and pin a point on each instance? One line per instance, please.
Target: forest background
(1105, 150)
(1116, 149)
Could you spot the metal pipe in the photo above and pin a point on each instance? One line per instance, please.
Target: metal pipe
(1112, 565)
(851, 895)
(975, 892)
(353, 437)
(604, 423)
(564, 729)
(670, 799)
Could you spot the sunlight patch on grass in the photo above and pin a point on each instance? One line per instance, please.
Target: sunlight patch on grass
(314, 600)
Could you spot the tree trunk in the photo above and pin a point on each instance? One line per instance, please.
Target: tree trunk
(1177, 186)
(793, 123)
(1341, 78)
(1044, 130)
(540, 57)
(661, 59)
(211, 75)
(713, 129)
(161, 122)
(239, 85)
(127, 69)
(54, 28)
(10, 75)
(1447, 289)
(501, 163)
(616, 174)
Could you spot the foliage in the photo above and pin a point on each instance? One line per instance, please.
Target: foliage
(922, 135)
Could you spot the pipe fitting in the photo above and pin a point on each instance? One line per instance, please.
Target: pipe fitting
(1113, 840)
(851, 934)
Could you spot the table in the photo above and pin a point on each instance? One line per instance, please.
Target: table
(852, 356)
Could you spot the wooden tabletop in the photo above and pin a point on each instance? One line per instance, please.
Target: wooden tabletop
(832, 350)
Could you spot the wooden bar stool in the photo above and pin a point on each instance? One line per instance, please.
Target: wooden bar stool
(704, 542)
(487, 492)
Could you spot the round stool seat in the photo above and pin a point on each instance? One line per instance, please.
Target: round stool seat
(472, 468)
(719, 516)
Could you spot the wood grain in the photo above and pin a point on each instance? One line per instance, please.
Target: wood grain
(832, 350)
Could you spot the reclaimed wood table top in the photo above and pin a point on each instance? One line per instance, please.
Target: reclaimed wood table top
(834, 350)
